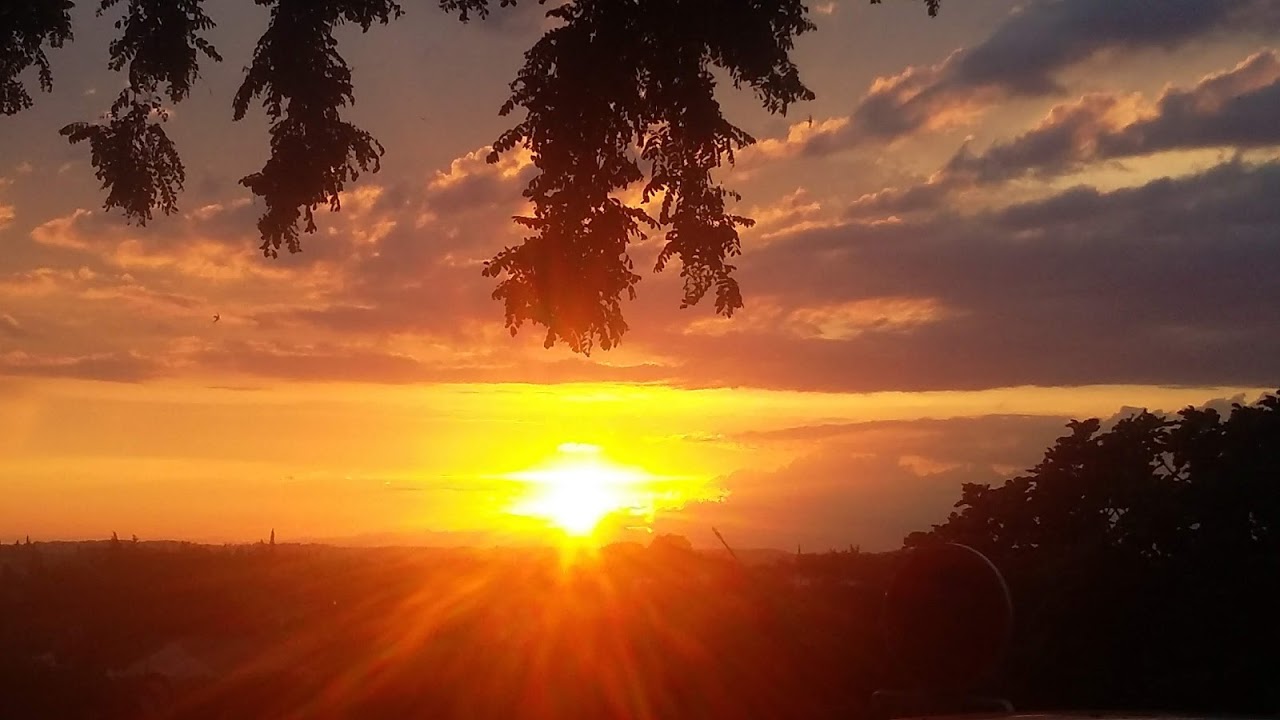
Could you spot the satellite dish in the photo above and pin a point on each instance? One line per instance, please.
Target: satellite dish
(948, 617)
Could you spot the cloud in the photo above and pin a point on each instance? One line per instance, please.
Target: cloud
(892, 202)
(869, 484)
(1236, 108)
(833, 498)
(803, 138)
(212, 245)
(1171, 282)
(1166, 283)
(1013, 442)
(7, 212)
(10, 327)
(357, 362)
(795, 211)
(317, 362)
(113, 367)
(41, 282)
(473, 182)
(414, 265)
(1025, 56)
(86, 284)
(373, 298)
(829, 321)
(370, 275)
(843, 321)
(63, 232)
(1229, 109)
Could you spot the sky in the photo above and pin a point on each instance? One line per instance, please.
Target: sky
(986, 224)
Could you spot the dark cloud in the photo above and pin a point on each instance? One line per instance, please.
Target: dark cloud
(1063, 141)
(926, 196)
(1025, 55)
(1237, 109)
(1172, 282)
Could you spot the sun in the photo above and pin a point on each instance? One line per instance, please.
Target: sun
(578, 488)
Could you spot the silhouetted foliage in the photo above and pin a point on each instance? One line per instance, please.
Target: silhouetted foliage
(303, 82)
(25, 29)
(134, 158)
(618, 93)
(130, 151)
(617, 75)
(1149, 487)
(1142, 560)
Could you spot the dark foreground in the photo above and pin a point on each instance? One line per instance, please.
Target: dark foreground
(124, 630)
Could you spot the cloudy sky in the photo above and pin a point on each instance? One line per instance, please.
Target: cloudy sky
(986, 224)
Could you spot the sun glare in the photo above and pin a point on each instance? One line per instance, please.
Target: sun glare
(579, 488)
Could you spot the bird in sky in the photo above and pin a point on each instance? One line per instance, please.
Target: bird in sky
(216, 317)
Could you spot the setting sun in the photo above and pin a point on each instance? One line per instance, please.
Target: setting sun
(580, 487)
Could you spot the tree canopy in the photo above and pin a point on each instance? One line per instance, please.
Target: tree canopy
(1150, 487)
(1142, 560)
(618, 92)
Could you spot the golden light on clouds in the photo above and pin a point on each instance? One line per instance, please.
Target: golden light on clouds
(842, 321)
(832, 321)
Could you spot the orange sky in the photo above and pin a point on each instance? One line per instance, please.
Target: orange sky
(983, 233)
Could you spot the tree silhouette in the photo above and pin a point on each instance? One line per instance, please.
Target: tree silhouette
(25, 29)
(618, 93)
(1150, 487)
(1142, 560)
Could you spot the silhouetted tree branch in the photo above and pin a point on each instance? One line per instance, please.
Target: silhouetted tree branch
(303, 82)
(132, 155)
(25, 29)
(620, 92)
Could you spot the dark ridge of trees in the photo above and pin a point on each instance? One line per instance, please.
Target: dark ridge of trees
(619, 93)
(1144, 561)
